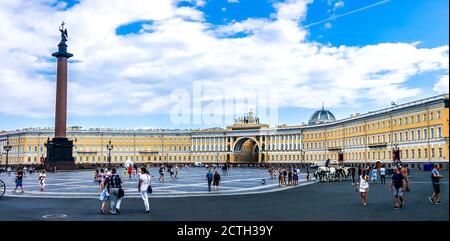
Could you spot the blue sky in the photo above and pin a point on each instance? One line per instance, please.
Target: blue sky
(133, 59)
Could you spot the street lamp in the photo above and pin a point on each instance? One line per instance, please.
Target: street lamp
(217, 158)
(109, 146)
(7, 148)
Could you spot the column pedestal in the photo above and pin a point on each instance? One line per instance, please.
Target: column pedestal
(59, 154)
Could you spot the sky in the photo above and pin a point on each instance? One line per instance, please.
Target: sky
(201, 63)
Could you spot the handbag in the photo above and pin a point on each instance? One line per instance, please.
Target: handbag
(149, 188)
(102, 195)
(121, 193)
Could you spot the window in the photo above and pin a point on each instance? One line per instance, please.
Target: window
(395, 136)
(406, 120)
(439, 134)
(418, 118)
(432, 133)
(412, 119)
(438, 115)
(431, 116)
(412, 153)
(418, 135)
(425, 152)
(419, 154)
(406, 136)
(425, 134)
(440, 152)
(432, 153)
(400, 121)
(424, 117)
(400, 136)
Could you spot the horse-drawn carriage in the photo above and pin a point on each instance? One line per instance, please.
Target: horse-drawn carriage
(334, 172)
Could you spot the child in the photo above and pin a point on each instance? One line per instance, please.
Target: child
(42, 177)
(374, 175)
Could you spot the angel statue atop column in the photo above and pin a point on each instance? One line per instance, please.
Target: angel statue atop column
(63, 31)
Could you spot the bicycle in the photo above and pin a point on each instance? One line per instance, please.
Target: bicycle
(2, 188)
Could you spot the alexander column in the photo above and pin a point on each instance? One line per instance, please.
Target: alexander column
(59, 149)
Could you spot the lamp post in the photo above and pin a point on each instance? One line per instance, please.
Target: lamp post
(7, 148)
(109, 146)
(217, 159)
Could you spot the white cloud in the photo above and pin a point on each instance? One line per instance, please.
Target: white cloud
(441, 86)
(233, 1)
(200, 3)
(328, 25)
(291, 9)
(136, 74)
(338, 4)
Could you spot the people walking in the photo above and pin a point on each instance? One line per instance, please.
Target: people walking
(104, 195)
(280, 177)
(42, 177)
(176, 171)
(284, 176)
(143, 187)
(374, 175)
(435, 178)
(353, 173)
(295, 176)
(216, 180)
(398, 182)
(307, 172)
(161, 173)
(209, 179)
(171, 172)
(114, 184)
(363, 187)
(289, 176)
(101, 178)
(382, 174)
(404, 172)
(130, 171)
(19, 179)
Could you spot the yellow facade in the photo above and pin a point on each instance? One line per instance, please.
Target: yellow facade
(420, 129)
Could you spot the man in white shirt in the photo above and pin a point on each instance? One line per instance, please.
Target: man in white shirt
(383, 174)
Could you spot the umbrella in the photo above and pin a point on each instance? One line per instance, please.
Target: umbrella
(128, 163)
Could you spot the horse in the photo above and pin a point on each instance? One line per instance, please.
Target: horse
(325, 173)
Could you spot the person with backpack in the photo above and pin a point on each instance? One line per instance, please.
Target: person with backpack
(209, 179)
(114, 183)
(144, 187)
